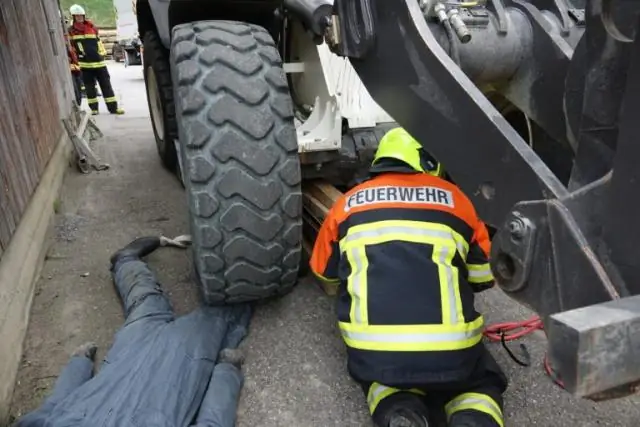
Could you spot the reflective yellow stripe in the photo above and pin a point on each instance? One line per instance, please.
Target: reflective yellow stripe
(325, 279)
(479, 273)
(412, 337)
(101, 49)
(92, 100)
(475, 402)
(377, 392)
(98, 64)
(357, 284)
(111, 99)
(449, 291)
(410, 231)
(84, 36)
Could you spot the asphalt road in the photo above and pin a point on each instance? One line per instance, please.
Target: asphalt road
(295, 368)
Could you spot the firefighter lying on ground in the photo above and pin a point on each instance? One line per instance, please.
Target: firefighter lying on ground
(408, 252)
(161, 370)
(91, 52)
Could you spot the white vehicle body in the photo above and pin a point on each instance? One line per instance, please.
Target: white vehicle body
(329, 87)
(126, 23)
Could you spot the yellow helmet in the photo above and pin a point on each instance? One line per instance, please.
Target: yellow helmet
(399, 145)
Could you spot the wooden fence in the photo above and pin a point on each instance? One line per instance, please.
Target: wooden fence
(35, 94)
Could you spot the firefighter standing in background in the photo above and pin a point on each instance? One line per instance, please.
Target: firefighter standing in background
(91, 53)
(408, 252)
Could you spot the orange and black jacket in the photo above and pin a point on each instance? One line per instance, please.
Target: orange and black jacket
(86, 43)
(408, 252)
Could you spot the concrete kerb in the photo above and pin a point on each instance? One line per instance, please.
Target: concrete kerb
(20, 268)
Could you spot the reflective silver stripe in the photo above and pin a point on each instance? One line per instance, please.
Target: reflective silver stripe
(382, 231)
(475, 272)
(492, 407)
(376, 390)
(358, 274)
(412, 338)
(451, 290)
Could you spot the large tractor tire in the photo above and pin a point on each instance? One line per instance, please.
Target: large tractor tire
(157, 78)
(240, 154)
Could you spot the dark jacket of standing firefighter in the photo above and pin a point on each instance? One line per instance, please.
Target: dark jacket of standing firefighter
(408, 252)
(91, 53)
(86, 41)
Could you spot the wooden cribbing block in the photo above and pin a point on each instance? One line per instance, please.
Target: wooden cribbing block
(317, 199)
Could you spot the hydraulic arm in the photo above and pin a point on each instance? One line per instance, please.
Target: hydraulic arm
(566, 203)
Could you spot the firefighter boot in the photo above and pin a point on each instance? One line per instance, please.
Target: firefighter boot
(118, 111)
(405, 417)
(472, 419)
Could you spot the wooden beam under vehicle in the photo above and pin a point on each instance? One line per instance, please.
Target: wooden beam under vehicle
(317, 199)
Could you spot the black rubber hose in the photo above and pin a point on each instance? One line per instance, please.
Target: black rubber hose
(454, 49)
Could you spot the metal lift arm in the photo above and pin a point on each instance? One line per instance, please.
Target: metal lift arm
(568, 250)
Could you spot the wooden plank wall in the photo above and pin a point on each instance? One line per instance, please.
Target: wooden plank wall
(32, 92)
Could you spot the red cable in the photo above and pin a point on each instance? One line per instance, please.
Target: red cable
(515, 330)
(512, 330)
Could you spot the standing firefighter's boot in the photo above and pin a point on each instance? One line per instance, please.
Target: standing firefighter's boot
(118, 111)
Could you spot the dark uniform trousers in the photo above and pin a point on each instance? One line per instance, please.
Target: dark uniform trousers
(100, 75)
(474, 402)
(77, 85)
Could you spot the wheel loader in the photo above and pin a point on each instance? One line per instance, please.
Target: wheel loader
(532, 106)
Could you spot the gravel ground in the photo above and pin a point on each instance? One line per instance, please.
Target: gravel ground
(295, 370)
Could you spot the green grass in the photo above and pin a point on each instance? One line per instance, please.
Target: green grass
(101, 12)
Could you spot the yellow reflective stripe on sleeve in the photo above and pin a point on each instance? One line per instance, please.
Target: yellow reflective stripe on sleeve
(377, 392)
(412, 337)
(479, 273)
(98, 64)
(111, 99)
(92, 100)
(101, 49)
(475, 402)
